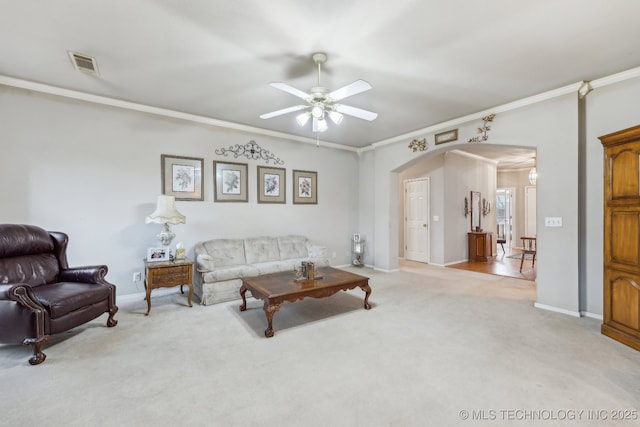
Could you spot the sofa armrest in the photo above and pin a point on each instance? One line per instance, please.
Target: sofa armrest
(316, 251)
(204, 263)
(87, 274)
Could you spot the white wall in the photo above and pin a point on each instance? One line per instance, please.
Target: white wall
(551, 127)
(453, 175)
(93, 171)
(431, 167)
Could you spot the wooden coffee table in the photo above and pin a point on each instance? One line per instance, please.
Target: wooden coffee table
(276, 288)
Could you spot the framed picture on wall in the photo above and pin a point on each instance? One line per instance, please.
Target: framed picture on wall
(448, 136)
(271, 185)
(230, 182)
(182, 177)
(305, 187)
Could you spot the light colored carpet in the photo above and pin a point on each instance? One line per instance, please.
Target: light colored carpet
(437, 342)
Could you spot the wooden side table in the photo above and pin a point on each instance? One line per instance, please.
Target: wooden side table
(166, 274)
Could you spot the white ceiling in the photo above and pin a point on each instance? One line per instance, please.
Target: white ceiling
(428, 61)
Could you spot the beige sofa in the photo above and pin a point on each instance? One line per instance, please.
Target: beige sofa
(222, 263)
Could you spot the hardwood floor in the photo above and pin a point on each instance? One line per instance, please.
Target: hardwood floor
(501, 265)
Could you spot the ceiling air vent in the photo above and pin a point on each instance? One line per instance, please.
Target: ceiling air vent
(84, 63)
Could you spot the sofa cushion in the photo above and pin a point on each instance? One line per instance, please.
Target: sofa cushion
(62, 298)
(226, 252)
(293, 247)
(228, 273)
(261, 249)
(274, 267)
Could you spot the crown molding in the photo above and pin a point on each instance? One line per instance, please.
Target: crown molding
(119, 103)
(98, 99)
(616, 78)
(572, 88)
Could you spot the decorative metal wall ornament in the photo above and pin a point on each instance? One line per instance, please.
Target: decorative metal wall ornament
(251, 150)
(467, 211)
(483, 130)
(486, 207)
(419, 145)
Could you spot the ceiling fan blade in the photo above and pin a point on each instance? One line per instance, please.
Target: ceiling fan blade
(349, 90)
(283, 111)
(355, 112)
(290, 89)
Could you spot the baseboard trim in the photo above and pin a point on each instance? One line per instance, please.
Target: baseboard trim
(455, 262)
(557, 310)
(592, 315)
(140, 296)
(384, 270)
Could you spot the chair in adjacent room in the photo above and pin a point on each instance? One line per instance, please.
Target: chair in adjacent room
(40, 295)
(528, 247)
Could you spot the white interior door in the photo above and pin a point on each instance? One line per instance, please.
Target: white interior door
(416, 213)
(530, 211)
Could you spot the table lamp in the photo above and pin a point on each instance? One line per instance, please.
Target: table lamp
(165, 214)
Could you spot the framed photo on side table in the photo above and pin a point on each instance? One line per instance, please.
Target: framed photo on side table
(182, 177)
(305, 187)
(230, 182)
(157, 254)
(271, 185)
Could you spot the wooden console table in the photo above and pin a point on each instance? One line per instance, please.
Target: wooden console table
(166, 274)
(480, 246)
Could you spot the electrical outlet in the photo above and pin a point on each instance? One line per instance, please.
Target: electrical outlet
(553, 221)
(137, 276)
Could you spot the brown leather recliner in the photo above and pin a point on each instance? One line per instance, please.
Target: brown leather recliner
(40, 295)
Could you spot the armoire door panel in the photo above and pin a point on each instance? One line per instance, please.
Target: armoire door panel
(624, 304)
(624, 176)
(623, 249)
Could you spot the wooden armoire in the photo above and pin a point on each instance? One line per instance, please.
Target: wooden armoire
(622, 236)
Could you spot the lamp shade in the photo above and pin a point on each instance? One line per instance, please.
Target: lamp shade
(166, 212)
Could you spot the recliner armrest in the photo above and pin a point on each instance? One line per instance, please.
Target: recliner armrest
(86, 274)
(20, 293)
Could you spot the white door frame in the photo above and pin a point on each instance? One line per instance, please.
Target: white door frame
(422, 254)
(511, 219)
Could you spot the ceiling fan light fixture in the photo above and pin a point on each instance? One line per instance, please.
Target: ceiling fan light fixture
(303, 118)
(320, 103)
(317, 111)
(336, 117)
(319, 125)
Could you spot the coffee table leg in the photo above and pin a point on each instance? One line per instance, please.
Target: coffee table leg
(367, 289)
(243, 290)
(270, 310)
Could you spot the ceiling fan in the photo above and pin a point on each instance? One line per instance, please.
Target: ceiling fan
(320, 103)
